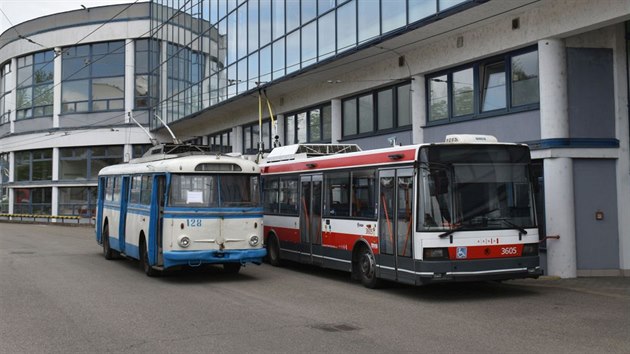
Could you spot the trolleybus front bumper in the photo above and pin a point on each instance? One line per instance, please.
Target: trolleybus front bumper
(477, 270)
(196, 258)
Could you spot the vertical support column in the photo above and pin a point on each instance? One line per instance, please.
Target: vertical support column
(56, 87)
(622, 125)
(335, 120)
(54, 199)
(558, 172)
(418, 108)
(237, 132)
(11, 179)
(163, 86)
(11, 98)
(130, 76)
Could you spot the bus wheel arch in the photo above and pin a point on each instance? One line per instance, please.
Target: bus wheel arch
(144, 257)
(273, 249)
(364, 265)
(108, 252)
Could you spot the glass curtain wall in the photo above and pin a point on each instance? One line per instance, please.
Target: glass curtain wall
(236, 46)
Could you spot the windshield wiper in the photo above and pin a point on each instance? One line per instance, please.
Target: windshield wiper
(520, 229)
(449, 232)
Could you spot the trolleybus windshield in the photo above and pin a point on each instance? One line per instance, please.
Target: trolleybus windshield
(475, 187)
(214, 191)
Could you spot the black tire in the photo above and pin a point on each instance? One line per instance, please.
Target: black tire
(144, 260)
(367, 269)
(231, 268)
(273, 251)
(108, 253)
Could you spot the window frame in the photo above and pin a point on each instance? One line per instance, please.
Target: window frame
(478, 89)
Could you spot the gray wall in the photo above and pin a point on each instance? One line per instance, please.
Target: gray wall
(91, 119)
(517, 127)
(5, 129)
(33, 124)
(591, 93)
(595, 190)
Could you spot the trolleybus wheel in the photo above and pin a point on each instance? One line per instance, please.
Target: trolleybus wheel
(108, 253)
(367, 269)
(144, 259)
(231, 268)
(273, 250)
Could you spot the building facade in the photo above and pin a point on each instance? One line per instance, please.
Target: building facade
(550, 73)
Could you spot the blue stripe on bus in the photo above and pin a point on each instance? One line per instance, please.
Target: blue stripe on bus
(143, 212)
(213, 210)
(175, 258)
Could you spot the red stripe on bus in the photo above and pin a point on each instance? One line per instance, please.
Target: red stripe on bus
(284, 233)
(483, 252)
(349, 161)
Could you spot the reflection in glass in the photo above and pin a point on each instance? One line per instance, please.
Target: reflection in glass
(327, 44)
(293, 52)
(293, 14)
(385, 109)
(404, 105)
(349, 117)
(525, 88)
(265, 22)
(493, 86)
(309, 44)
(369, 19)
(366, 114)
(278, 59)
(438, 98)
(393, 14)
(113, 87)
(463, 100)
(421, 9)
(301, 127)
(346, 26)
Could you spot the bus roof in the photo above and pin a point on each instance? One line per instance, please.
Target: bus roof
(184, 164)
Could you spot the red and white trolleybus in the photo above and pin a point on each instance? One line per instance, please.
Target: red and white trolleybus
(417, 214)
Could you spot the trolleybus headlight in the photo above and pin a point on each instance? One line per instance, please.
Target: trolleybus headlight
(435, 253)
(254, 240)
(183, 241)
(530, 249)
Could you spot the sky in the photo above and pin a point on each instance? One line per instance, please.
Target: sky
(19, 11)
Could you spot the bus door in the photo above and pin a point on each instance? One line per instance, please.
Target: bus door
(158, 200)
(124, 200)
(395, 225)
(311, 219)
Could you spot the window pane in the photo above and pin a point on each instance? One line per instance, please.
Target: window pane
(265, 64)
(24, 98)
(445, 4)
(293, 51)
(43, 73)
(525, 88)
(293, 14)
(73, 169)
(325, 5)
(347, 29)
(493, 86)
(404, 105)
(108, 65)
(24, 76)
(421, 9)
(438, 98)
(278, 59)
(113, 87)
(74, 68)
(252, 71)
(43, 95)
(242, 31)
(327, 36)
(309, 44)
(349, 117)
(301, 127)
(363, 194)
(463, 102)
(252, 39)
(366, 114)
(368, 20)
(337, 194)
(326, 123)
(265, 22)
(394, 14)
(385, 109)
(309, 10)
(73, 91)
(314, 126)
(289, 130)
(278, 19)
